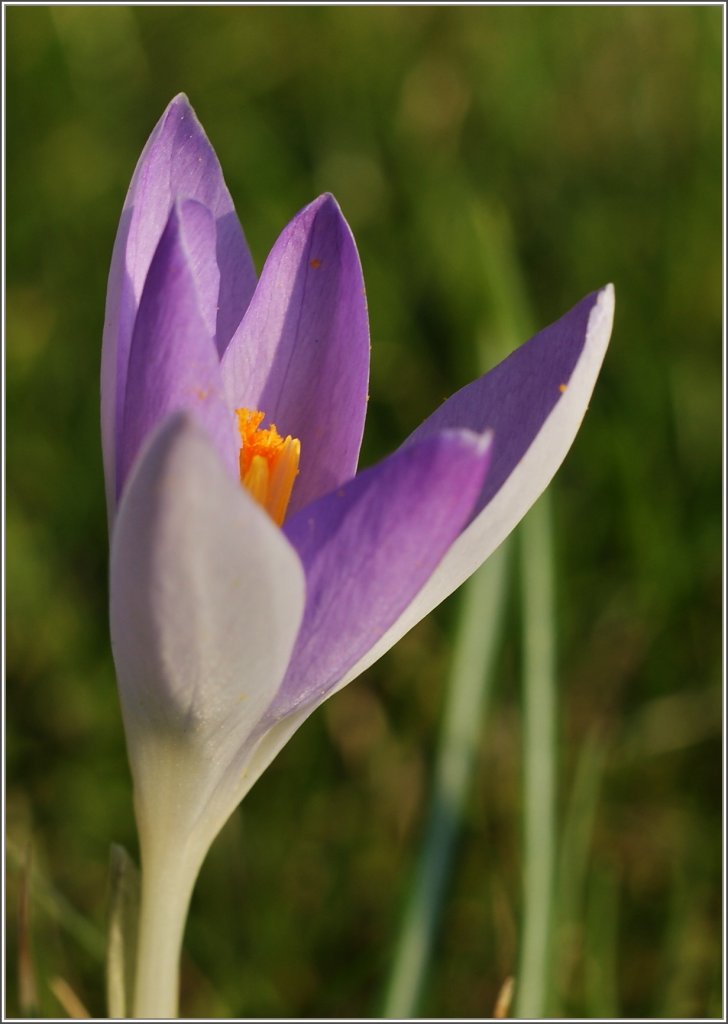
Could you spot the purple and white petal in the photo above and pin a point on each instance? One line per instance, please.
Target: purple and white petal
(367, 549)
(177, 162)
(207, 597)
(301, 354)
(535, 421)
(173, 362)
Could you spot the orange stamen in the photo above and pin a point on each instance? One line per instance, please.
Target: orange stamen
(268, 463)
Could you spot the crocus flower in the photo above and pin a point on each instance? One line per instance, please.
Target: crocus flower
(254, 571)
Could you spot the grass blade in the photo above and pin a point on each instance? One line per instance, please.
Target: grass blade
(468, 690)
(539, 729)
(122, 932)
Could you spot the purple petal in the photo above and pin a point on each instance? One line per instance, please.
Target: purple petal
(177, 162)
(301, 354)
(368, 547)
(173, 362)
(571, 353)
(516, 397)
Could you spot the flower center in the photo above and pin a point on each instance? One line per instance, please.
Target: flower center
(268, 463)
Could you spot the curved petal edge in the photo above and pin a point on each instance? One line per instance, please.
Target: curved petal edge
(531, 474)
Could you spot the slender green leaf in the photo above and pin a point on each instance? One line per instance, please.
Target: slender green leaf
(539, 731)
(468, 691)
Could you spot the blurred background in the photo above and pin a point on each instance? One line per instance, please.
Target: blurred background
(573, 145)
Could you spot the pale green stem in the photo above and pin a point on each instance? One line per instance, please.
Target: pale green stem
(166, 888)
(468, 690)
(539, 727)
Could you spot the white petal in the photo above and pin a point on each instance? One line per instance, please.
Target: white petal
(207, 597)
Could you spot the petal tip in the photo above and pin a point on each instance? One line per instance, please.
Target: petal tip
(325, 199)
(325, 205)
(478, 442)
(185, 207)
(180, 102)
(473, 445)
(606, 296)
(485, 440)
(179, 111)
(187, 217)
(601, 317)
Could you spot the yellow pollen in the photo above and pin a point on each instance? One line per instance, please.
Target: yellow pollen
(268, 463)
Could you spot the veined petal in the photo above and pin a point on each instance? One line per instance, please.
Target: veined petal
(301, 354)
(177, 162)
(207, 597)
(367, 549)
(535, 401)
(173, 363)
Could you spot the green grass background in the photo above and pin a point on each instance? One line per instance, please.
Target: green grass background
(592, 137)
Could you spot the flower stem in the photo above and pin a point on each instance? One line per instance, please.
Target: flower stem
(167, 884)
